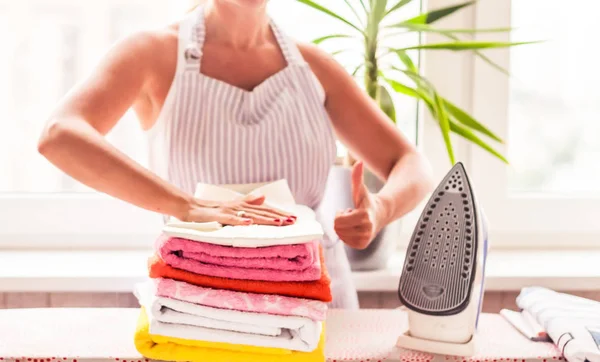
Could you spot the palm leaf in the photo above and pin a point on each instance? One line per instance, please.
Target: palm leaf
(434, 15)
(482, 56)
(450, 118)
(467, 134)
(453, 37)
(407, 61)
(399, 5)
(456, 112)
(401, 88)
(462, 31)
(425, 28)
(454, 126)
(421, 82)
(466, 45)
(491, 63)
(467, 120)
(354, 11)
(417, 93)
(444, 121)
(434, 108)
(355, 71)
(437, 103)
(327, 37)
(362, 3)
(386, 103)
(325, 10)
(338, 52)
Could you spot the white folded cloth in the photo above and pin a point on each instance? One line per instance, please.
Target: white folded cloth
(174, 318)
(572, 322)
(277, 195)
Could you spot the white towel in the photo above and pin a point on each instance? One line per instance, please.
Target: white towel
(174, 318)
(277, 195)
(572, 322)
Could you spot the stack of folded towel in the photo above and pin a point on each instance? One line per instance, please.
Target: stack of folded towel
(236, 293)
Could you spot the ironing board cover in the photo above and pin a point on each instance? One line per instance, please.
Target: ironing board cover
(370, 335)
(105, 334)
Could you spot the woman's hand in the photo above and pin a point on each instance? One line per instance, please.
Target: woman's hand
(246, 211)
(357, 227)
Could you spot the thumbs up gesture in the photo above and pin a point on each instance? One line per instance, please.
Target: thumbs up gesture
(357, 227)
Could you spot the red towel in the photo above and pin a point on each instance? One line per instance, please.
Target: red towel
(319, 290)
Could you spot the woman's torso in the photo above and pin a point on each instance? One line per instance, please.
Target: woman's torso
(212, 131)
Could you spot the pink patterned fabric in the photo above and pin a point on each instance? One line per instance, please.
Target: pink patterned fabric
(285, 263)
(246, 302)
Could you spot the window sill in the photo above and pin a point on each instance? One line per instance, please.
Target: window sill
(118, 271)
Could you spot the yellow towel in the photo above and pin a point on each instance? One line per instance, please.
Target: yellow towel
(175, 349)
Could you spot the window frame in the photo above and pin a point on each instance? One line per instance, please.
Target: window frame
(518, 220)
(64, 220)
(527, 221)
(74, 221)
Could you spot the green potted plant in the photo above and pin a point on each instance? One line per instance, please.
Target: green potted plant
(387, 69)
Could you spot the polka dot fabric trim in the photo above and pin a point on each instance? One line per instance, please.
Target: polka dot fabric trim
(368, 335)
(70, 359)
(406, 357)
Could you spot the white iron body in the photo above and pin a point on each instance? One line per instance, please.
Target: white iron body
(449, 332)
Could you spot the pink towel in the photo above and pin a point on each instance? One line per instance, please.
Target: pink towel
(284, 263)
(245, 302)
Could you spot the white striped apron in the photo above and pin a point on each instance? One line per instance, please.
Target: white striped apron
(213, 132)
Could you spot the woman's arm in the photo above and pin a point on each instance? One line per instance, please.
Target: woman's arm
(73, 139)
(374, 139)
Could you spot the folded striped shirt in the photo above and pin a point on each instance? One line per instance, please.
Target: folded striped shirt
(572, 322)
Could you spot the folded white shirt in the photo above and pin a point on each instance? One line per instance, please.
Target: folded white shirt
(277, 195)
(174, 318)
(572, 322)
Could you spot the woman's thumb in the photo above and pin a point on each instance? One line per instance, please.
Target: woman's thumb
(358, 187)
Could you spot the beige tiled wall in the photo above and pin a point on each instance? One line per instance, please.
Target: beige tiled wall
(493, 302)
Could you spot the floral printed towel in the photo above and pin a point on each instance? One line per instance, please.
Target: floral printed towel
(247, 302)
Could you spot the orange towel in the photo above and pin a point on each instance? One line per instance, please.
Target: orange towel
(319, 290)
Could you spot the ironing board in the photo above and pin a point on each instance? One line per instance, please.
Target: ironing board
(106, 334)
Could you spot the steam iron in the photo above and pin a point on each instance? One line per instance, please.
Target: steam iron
(442, 280)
